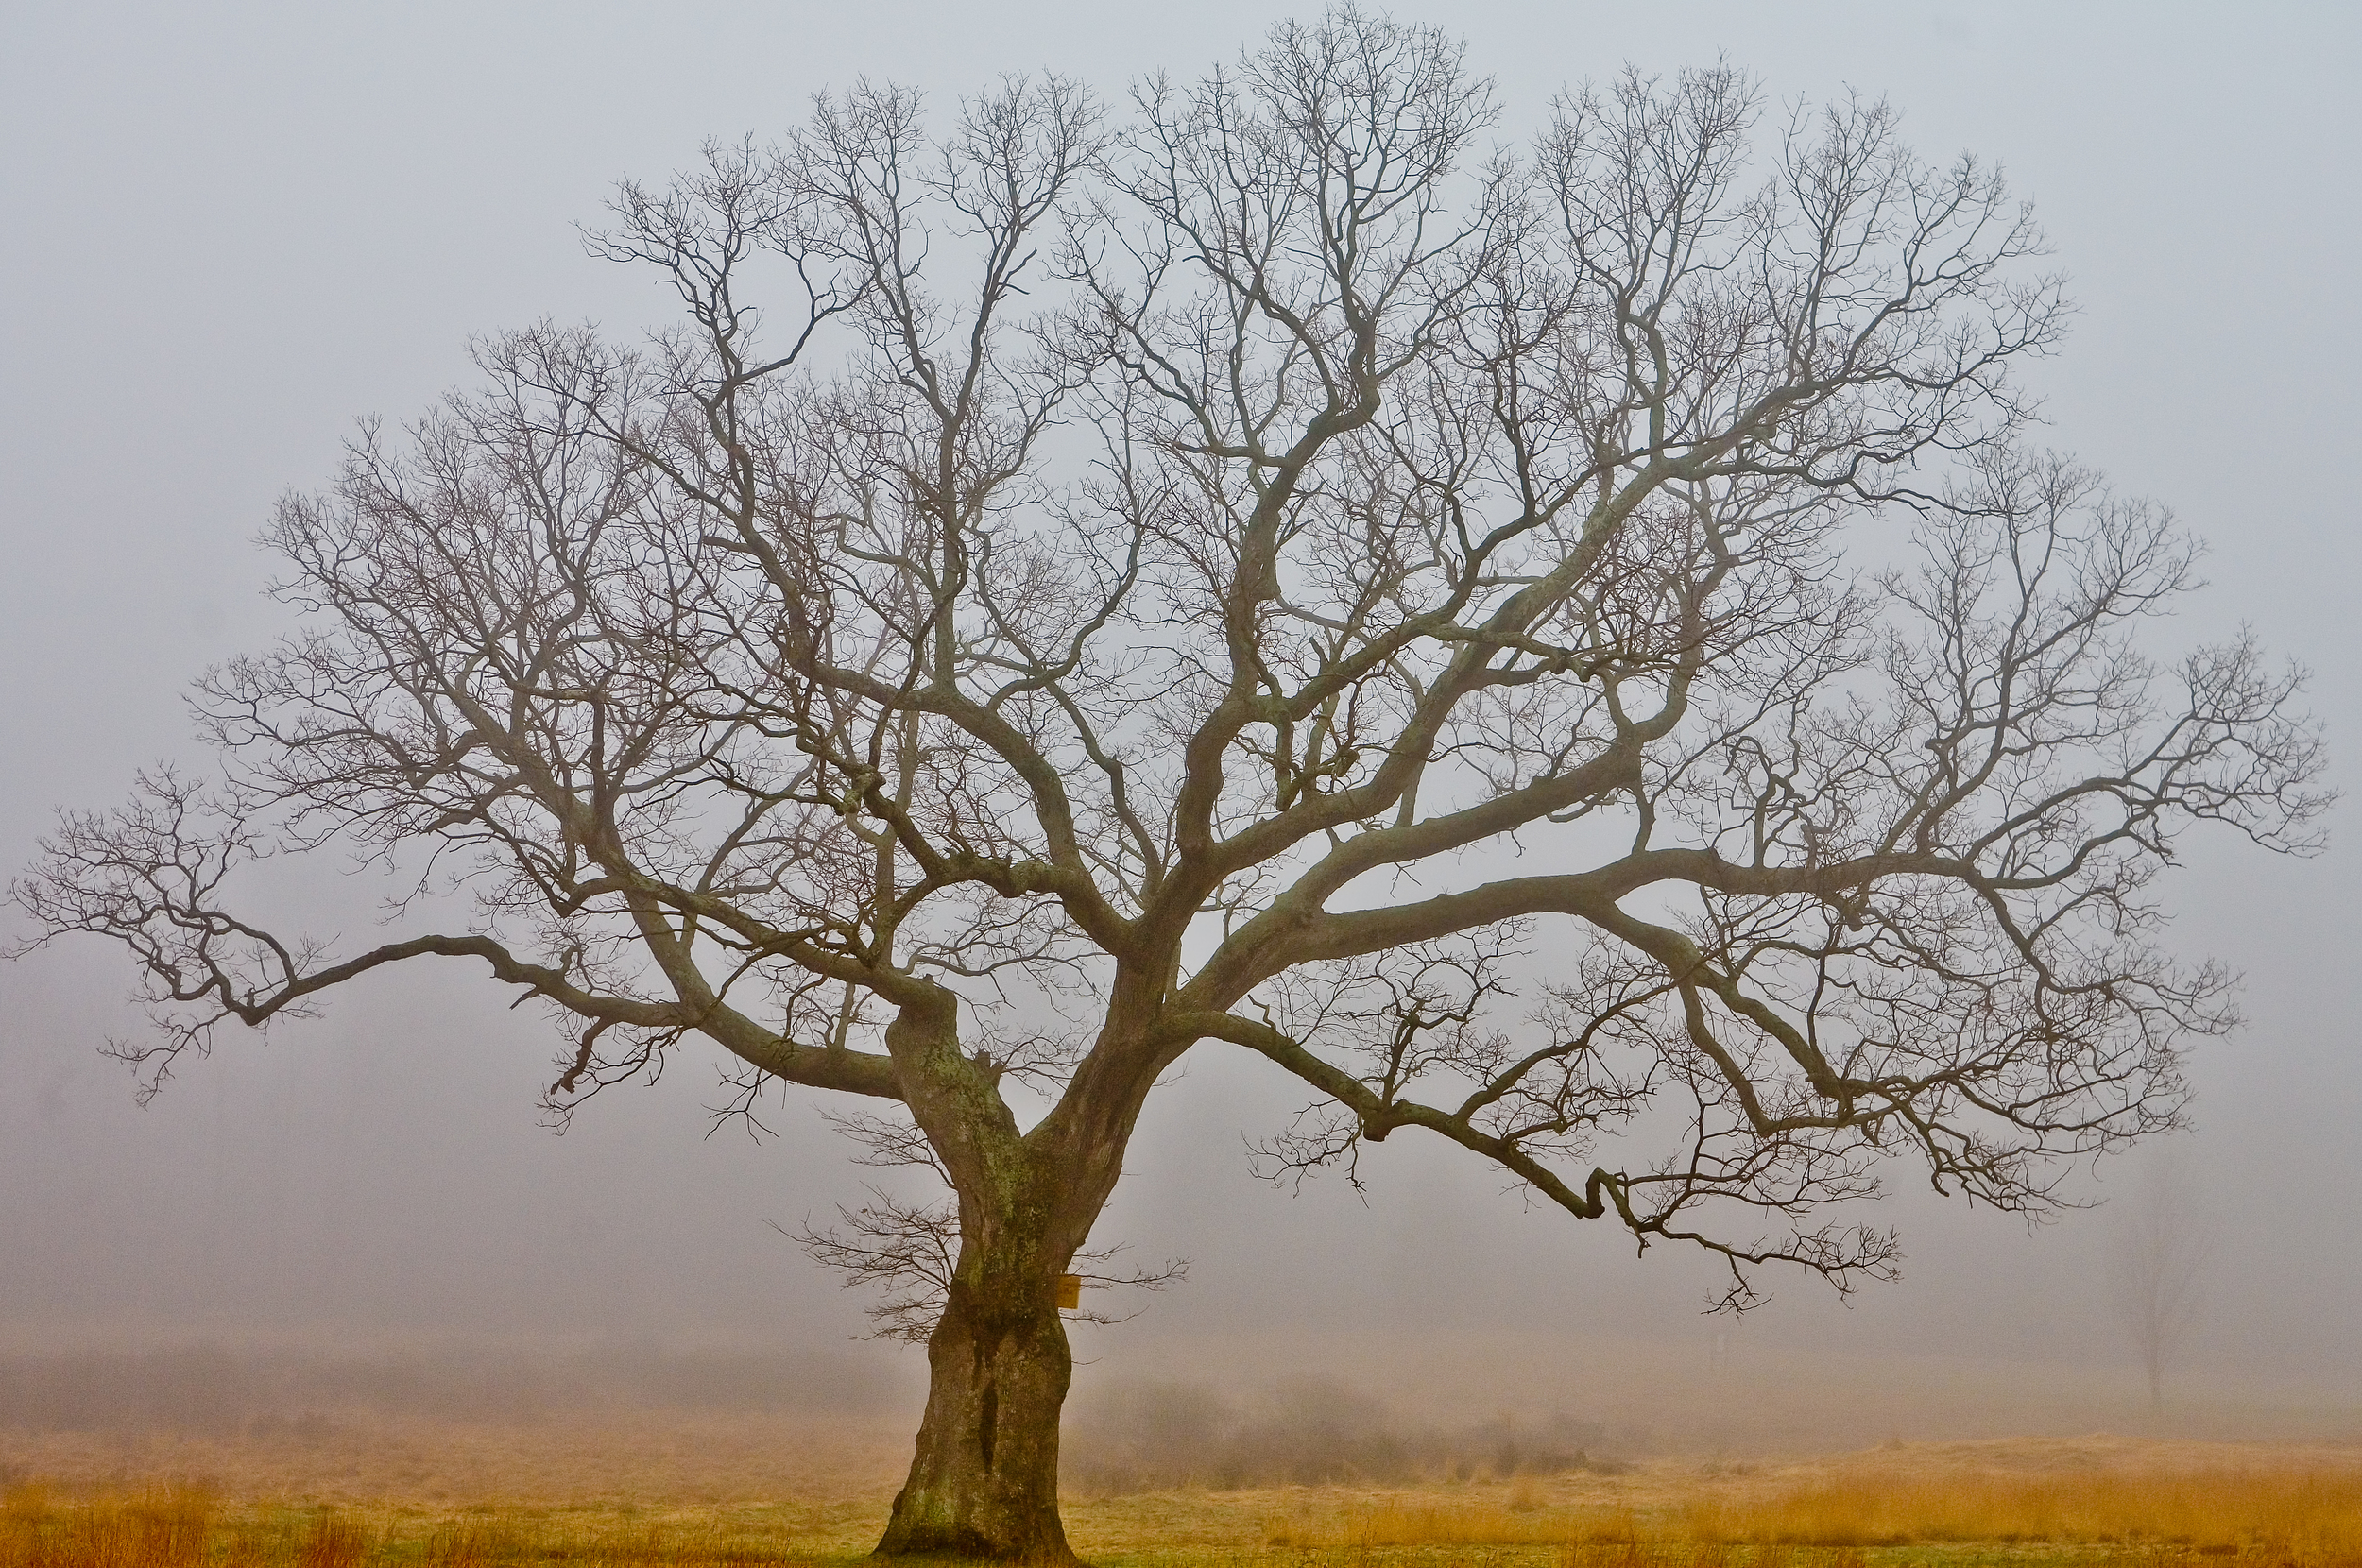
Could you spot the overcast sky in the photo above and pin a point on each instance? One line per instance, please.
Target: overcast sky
(226, 231)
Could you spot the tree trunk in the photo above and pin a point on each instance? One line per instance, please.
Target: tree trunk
(984, 1481)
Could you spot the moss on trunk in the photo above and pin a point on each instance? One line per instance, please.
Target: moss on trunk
(985, 1480)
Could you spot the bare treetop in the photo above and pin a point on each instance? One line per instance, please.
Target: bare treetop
(1272, 567)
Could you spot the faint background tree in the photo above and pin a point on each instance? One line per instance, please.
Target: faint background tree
(2158, 1255)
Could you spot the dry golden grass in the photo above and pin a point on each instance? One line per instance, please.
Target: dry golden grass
(2255, 1502)
(2306, 1512)
(700, 1493)
(648, 1458)
(189, 1527)
(164, 1528)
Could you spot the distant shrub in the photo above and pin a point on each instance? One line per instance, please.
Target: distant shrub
(1142, 1437)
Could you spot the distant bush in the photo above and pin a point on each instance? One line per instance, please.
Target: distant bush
(1143, 1437)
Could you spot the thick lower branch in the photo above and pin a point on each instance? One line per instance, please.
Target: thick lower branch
(819, 1067)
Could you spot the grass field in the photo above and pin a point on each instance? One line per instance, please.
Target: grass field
(738, 1494)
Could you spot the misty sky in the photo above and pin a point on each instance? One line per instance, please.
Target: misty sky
(223, 236)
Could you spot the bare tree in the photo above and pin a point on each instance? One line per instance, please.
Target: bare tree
(1267, 569)
(2156, 1266)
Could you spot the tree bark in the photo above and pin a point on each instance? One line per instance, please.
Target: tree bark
(984, 1481)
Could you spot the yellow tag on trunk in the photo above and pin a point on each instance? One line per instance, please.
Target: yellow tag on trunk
(1069, 1292)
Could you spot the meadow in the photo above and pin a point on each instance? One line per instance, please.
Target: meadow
(747, 1492)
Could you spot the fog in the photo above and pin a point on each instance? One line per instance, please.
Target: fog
(228, 235)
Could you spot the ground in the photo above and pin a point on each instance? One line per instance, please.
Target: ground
(740, 1492)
